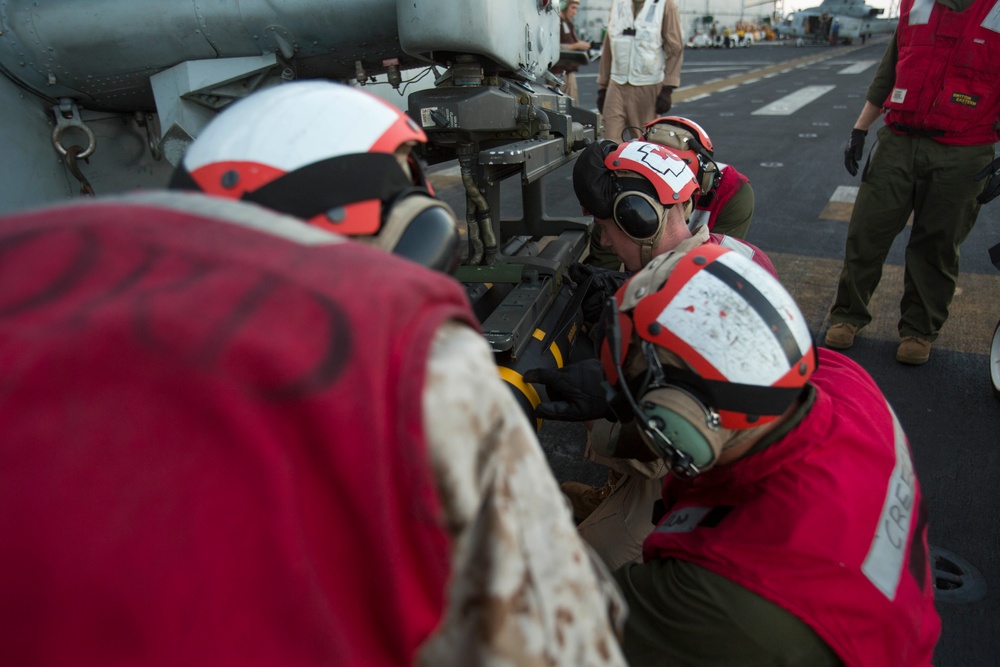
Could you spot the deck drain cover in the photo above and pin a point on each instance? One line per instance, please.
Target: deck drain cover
(955, 579)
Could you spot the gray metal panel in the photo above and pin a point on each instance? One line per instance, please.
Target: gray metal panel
(515, 35)
(32, 172)
(35, 175)
(102, 52)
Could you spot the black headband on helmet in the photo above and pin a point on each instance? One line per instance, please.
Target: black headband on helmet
(322, 186)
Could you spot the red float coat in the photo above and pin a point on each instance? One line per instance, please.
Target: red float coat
(213, 444)
(827, 522)
(730, 182)
(948, 72)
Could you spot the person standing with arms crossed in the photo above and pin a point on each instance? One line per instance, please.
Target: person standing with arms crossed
(641, 64)
(939, 89)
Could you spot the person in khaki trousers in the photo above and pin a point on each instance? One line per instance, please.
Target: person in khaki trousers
(640, 64)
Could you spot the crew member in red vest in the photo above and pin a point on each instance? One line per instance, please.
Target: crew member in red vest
(641, 194)
(725, 199)
(792, 529)
(938, 87)
(233, 438)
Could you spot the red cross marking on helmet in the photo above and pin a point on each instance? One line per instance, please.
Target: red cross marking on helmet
(661, 151)
(660, 159)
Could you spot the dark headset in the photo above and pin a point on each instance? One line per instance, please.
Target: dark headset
(708, 172)
(639, 215)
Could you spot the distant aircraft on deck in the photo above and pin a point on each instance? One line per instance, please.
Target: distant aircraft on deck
(837, 21)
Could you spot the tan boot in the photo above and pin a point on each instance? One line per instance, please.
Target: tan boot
(840, 336)
(913, 350)
(585, 498)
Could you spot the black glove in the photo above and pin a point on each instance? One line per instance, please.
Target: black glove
(992, 189)
(604, 283)
(601, 94)
(664, 100)
(576, 392)
(855, 149)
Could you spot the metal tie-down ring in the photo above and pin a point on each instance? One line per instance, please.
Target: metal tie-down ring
(68, 117)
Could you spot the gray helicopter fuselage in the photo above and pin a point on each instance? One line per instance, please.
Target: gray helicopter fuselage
(114, 90)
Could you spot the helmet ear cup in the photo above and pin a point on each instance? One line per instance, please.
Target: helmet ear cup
(684, 435)
(710, 175)
(423, 229)
(639, 215)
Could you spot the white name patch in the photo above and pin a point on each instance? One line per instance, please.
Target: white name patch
(884, 563)
(920, 12)
(992, 20)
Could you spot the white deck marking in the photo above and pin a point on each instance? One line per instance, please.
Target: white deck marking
(858, 67)
(845, 193)
(791, 103)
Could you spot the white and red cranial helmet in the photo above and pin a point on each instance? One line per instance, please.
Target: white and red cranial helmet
(320, 151)
(707, 349)
(672, 179)
(691, 143)
(644, 181)
(332, 155)
(745, 345)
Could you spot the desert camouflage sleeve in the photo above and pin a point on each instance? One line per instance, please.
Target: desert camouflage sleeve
(524, 590)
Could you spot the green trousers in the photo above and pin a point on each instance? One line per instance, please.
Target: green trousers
(935, 182)
(683, 615)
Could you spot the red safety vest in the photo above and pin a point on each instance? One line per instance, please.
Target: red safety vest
(828, 523)
(948, 72)
(730, 182)
(213, 443)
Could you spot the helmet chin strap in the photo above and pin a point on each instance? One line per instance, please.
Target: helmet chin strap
(645, 253)
(647, 246)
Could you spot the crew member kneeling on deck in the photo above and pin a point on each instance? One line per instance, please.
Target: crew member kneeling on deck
(641, 195)
(233, 438)
(792, 529)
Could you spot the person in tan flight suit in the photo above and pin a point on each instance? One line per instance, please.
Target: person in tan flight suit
(640, 64)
